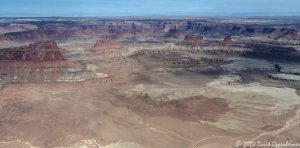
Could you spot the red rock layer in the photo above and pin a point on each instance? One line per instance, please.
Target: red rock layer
(227, 40)
(193, 39)
(107, 44)
(41, 52)
(69, 29)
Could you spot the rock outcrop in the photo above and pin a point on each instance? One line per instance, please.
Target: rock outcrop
(286, 33)
(227, 40)
(69, 29)
(285, 77)
(193, 39)
(39, 52)
(42, 33)
(192, 62)
(102, 45)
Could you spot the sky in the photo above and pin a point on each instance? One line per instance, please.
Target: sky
(111, 8)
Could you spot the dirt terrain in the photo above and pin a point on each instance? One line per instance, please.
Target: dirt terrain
(148, 83)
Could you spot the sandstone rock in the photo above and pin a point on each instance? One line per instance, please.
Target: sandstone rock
(192, 62)
(225, 50)
(2, 38)
(286, 33)
(63, 30)
(106, 48)
(41, 52)
(107, 44)
(227, 40)
(193, 39)
(285, 77)
(42, 33)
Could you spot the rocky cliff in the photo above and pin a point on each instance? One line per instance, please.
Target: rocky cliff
(193, 39)
(41, 52)
(105, 45)
(227, 40)
(63, 30)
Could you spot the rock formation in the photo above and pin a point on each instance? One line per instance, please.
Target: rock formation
(102, 45)
(67, 29)
(227, 40)
(287, 33)
(39, 52)
(193, 39)
(277, 68)
(192, 62)
(285, 77)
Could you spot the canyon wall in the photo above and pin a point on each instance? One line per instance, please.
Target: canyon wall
(41, 52)
(106, 44)
(63, 30)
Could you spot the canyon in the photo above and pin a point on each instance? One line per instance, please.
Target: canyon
(198, 83)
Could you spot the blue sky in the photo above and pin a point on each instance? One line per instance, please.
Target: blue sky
(101, 8)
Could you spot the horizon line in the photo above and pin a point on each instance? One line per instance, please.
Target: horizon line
(169, 16)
